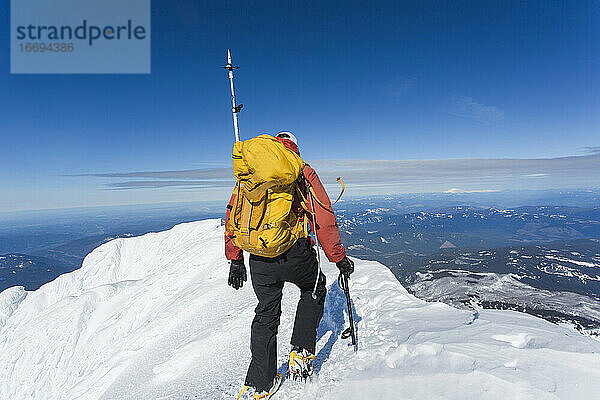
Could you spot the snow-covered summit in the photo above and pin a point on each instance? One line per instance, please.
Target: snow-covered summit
(152, 317)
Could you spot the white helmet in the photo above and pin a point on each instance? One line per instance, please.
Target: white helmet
(288, 135)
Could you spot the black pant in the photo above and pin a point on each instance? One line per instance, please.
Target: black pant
(299, 266)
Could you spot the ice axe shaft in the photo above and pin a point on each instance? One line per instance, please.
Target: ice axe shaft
(348, 332)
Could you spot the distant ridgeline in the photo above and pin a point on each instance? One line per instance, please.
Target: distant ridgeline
(541, 260)
(29, 271)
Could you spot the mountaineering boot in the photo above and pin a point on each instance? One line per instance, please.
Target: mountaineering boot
(249, 393)
(266, 394)
(301, 364)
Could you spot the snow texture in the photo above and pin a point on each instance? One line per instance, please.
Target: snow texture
(455, 286)
(152, 317)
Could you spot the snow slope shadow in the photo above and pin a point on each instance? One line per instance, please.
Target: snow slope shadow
(331, 326)
(333, 321)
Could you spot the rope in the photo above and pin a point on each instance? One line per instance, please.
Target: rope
(312, 191)
(312, 213)
(339, 179)
(314, 292)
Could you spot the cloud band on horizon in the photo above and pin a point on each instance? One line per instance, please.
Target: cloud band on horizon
(402, 176)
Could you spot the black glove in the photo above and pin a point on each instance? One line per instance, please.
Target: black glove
(237, 274)
(346, 266)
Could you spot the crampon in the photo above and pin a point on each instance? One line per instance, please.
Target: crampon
(300, 367)
(249, 393)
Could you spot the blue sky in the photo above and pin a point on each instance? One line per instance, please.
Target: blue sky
(402, 80)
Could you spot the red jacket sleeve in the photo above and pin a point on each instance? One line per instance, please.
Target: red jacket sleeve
(232, 252)
(326, 230)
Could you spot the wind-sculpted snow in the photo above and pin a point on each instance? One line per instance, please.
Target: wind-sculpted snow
(152, 317)
(9, 301)
(466, 289)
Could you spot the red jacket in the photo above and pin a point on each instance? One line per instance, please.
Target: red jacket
(327, 229)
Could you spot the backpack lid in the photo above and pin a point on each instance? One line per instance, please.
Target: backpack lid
(263, 162)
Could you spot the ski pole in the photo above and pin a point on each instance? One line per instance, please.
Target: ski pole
(234, 108)
(348, 332)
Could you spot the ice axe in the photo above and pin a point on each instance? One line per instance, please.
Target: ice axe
(348, 332)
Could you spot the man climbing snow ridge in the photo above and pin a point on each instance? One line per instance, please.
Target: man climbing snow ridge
(298, 265)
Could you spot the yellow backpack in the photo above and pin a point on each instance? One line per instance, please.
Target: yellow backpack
(262, 219)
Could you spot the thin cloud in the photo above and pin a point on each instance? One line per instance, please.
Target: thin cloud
(156, 184)
(204, 173)
(475, 174)
(459, 191)
(463, 106)
(400, 176)
(592, 149)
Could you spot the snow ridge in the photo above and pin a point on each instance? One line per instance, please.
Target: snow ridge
(152, 317)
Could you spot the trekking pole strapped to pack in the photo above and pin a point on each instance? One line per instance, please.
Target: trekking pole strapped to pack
(234, 108)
